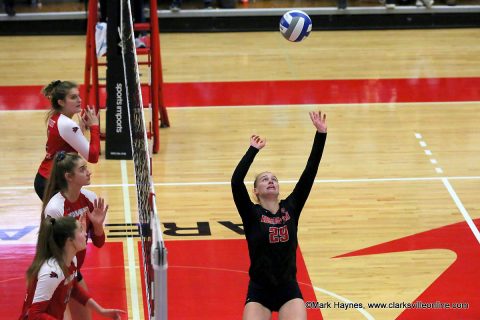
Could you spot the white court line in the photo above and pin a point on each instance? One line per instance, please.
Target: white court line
(12, 279)
(423, 144)
(453, 194)
(462, 209)
(332, 294)
(207, 183)
(132, 272)
(211, 183)
(361, 180)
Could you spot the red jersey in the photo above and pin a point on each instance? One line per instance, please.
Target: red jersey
(58, 207)
(64, 134)
(48, 295)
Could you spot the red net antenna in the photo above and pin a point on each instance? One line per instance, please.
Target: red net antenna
(159, 110)
(90, 89)
(91, 96)
(153, 91)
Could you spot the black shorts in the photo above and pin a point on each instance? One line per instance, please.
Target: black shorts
(40, 184)
(273, 298)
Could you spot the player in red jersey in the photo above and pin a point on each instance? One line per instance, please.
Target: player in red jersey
(64, 134)
(51, 277)
(65, 196)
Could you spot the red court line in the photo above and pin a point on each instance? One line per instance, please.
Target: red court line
(322, 91)
(208, 279)
(103, 271)
(282, 92)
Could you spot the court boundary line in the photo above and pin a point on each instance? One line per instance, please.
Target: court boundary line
(438, 169)
(317, 181)
(132, 270)
(364, 312)
(462, 209)
(445, 180)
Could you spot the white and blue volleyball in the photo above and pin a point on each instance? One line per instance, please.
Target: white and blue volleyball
(295, 25)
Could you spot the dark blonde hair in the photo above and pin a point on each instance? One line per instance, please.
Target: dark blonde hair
(57, 90)
(258, 176)
(62, 163)
(52, 237)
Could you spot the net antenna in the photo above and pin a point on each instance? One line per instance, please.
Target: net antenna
(154, 252)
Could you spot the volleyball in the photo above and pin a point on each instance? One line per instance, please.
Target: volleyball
(295, 25)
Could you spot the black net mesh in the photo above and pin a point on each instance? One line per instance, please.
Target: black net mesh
(140, 152)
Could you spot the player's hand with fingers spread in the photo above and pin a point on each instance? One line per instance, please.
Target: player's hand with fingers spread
(319, 121)
(89, 117)
(98, 214)
(257, 142)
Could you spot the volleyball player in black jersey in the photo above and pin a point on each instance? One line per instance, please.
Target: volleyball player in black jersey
(271, 231)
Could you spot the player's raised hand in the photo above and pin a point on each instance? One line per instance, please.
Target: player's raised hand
(257, 141)
(89, 117)
(99, 212)
(319, 121)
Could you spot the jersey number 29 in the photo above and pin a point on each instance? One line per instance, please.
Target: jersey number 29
(278, 234)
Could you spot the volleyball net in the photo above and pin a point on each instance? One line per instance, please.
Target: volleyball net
(154, 253)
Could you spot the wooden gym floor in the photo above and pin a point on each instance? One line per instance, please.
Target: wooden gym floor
(390, 220)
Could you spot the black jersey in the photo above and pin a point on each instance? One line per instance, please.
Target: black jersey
(272, 237)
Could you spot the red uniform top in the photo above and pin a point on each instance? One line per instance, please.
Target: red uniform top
(48, 295)
(64, 134)
(58, 207)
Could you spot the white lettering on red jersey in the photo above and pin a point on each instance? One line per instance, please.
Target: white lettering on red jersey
(59, 206)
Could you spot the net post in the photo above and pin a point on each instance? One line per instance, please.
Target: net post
(160, 267)
(118, 143)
